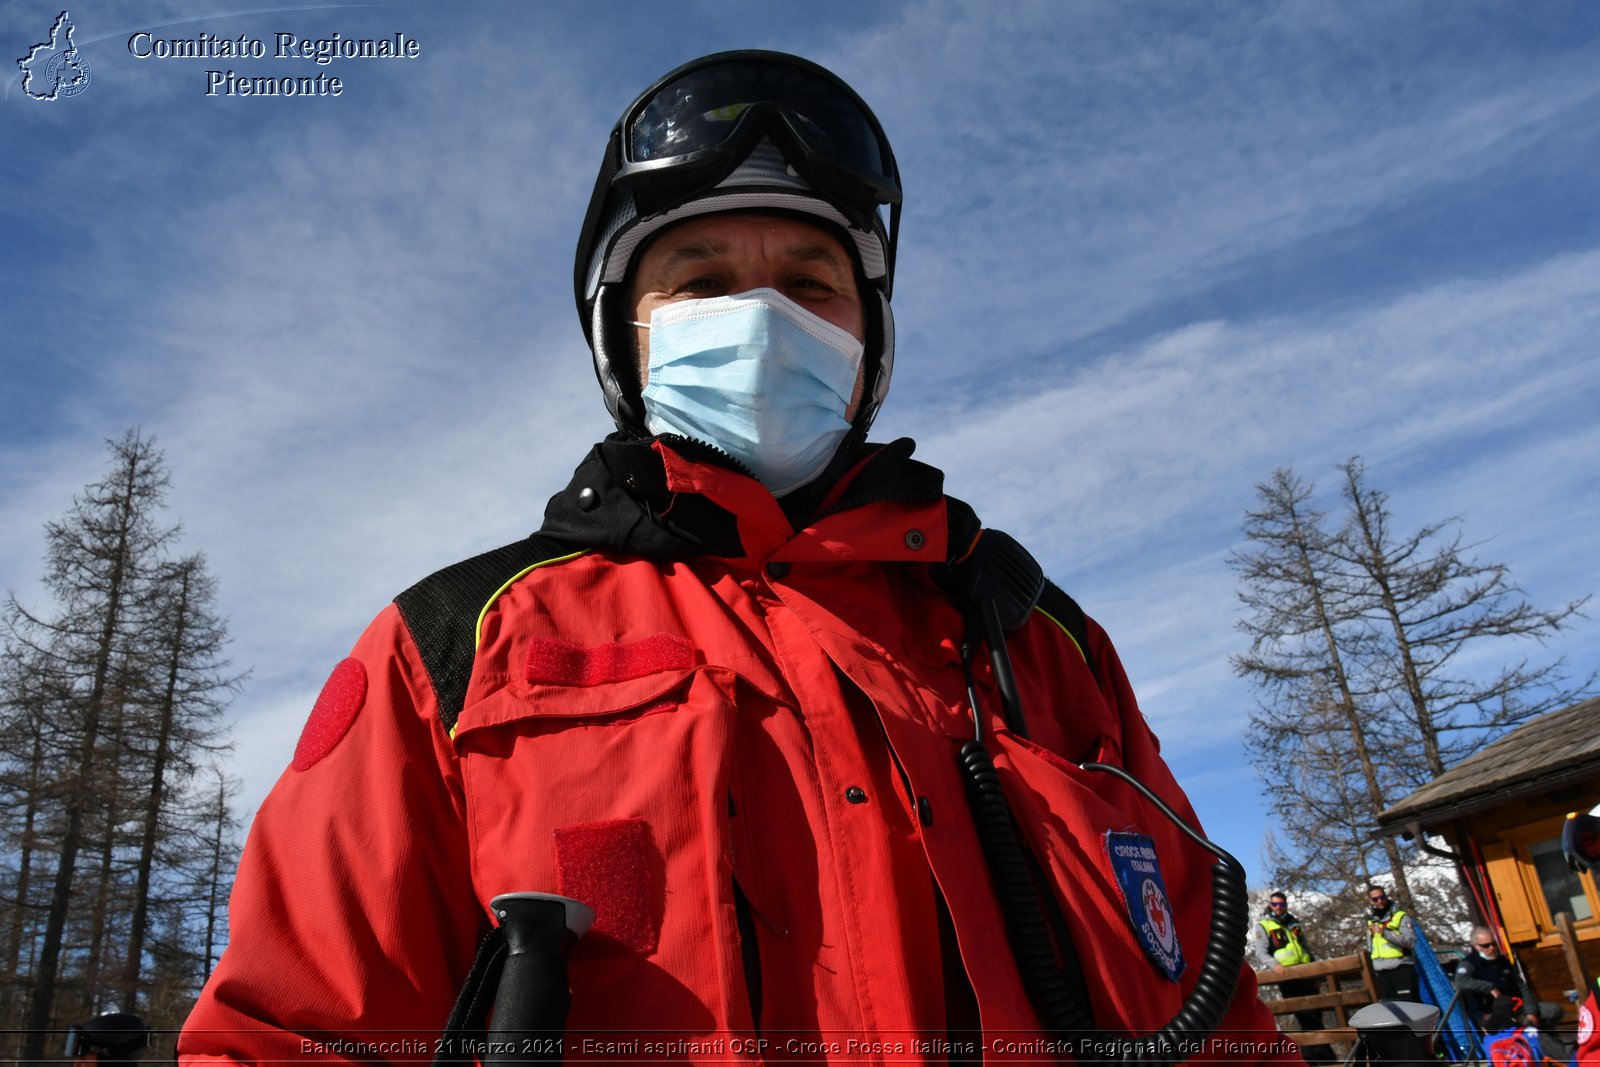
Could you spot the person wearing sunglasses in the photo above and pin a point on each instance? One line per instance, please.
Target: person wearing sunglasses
(1391, 940)
(725, 698)
(1277, 940)
(1493, 991)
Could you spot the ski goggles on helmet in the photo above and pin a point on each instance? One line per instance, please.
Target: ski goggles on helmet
(78, 1042)
(689, 131)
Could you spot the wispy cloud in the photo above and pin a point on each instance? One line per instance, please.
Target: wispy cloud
(1130, 477)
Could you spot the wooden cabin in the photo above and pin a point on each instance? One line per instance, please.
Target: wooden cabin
(1501, 812)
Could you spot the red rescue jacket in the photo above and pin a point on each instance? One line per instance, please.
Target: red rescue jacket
(738, 743)
(1587, 1052)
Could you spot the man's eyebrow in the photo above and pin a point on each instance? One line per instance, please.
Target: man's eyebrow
(696, 251)
(700, 251)
(818, 253)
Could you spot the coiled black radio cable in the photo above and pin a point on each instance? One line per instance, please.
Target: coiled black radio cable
(1001, 588)
(1010, 865)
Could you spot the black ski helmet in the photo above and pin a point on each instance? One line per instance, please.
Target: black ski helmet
(738, 131)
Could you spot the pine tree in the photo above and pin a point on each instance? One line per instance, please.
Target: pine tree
(27, 799)
(218, 860)
(1433, 603)
(179, 725)
(98, 557)
(109, 706)
(1357, 654)
(1303, 653)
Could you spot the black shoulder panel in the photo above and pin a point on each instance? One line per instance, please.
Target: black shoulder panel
(964, 529)
(441, 611)
(1062, 608)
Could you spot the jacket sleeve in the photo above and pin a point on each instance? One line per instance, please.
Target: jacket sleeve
(1403, 936)
(1261, 946)
(353, 918)
(1467, 978)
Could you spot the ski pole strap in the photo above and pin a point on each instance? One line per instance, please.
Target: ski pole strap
(468, 1025)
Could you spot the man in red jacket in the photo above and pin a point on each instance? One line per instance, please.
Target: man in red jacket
(757, 694)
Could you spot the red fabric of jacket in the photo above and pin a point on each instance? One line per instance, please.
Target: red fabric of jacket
(697, 697)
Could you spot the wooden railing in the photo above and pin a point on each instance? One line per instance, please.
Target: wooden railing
(1357, 967)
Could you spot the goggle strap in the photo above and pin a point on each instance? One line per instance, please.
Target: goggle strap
(596, 216)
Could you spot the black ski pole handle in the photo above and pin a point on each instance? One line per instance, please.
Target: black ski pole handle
(530, 1007)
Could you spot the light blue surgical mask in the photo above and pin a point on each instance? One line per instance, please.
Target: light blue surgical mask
(756, 375)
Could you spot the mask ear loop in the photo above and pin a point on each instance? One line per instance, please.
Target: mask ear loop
(619, 379)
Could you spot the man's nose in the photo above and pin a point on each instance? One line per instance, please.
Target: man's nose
(755, 273)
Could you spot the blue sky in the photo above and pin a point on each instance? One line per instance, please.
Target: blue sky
(1150, 252)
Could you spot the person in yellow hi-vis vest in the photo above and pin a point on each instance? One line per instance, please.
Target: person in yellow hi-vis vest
(1276, 940)
(1391, 939)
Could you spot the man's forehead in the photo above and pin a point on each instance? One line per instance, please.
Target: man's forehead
(709, 237)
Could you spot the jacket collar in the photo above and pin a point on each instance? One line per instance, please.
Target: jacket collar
(677, 499)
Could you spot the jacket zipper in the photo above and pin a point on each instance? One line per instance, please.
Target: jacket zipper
(879, 498)
(749, 952)
(745, 920)
(679, 438)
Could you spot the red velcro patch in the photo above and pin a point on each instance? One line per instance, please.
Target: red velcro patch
(606, 865)
(553, 662)
(342, 696)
